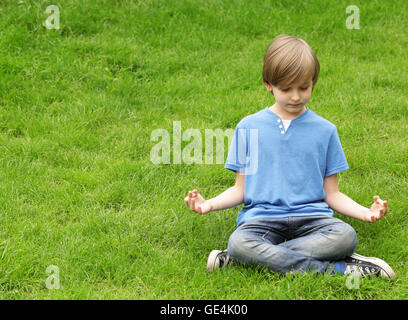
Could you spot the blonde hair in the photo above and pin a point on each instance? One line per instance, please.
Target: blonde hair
(289, 59)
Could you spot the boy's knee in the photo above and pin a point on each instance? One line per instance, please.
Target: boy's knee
(234, 243)
(239, 246)
(348, 239)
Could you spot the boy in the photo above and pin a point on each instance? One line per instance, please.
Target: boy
(286, 159)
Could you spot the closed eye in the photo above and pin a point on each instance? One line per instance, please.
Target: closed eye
(287, 89)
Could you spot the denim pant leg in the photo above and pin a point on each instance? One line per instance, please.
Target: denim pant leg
(267, 242)
(323, 238)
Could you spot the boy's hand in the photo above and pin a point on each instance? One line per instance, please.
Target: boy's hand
(195, 202)
(377, 210)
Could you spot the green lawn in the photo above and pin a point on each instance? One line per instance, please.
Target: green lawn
(78, 105)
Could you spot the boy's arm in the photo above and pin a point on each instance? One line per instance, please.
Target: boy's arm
(231, 197)
(343, 204)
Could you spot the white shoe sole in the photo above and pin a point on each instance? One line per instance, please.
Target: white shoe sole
(212, 262)
(386, 271)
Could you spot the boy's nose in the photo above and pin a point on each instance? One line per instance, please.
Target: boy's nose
(295, 98)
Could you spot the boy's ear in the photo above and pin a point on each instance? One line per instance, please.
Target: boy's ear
(268, 87)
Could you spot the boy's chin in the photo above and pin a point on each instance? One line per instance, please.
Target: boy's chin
(294, 108)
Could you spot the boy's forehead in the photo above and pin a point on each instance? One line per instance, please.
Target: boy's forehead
(305, 80)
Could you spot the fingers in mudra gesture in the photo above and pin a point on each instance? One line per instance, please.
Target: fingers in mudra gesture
(195, 202)
(378, 209)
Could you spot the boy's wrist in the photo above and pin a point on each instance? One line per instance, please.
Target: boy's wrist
(365, 215)
(210, 205)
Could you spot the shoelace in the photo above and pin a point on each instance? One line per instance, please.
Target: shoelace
(224, 259)
(362, 270)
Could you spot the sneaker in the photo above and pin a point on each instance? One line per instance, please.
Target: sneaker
(368, 266)
(218, 259)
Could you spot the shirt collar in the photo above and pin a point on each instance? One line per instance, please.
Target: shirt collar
(275, 116)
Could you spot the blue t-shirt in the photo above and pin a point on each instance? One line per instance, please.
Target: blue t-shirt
(284, 169)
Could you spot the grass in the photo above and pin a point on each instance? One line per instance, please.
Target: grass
(77, 108)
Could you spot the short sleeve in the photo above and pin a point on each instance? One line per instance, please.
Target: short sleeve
(243, 151)
(336, 160)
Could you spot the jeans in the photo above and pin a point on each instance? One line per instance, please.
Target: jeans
(293, 244)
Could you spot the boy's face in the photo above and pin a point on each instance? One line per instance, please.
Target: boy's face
(291, 100)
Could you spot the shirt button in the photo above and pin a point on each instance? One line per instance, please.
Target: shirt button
(280, 126)
(282, 132)
(279, 120)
